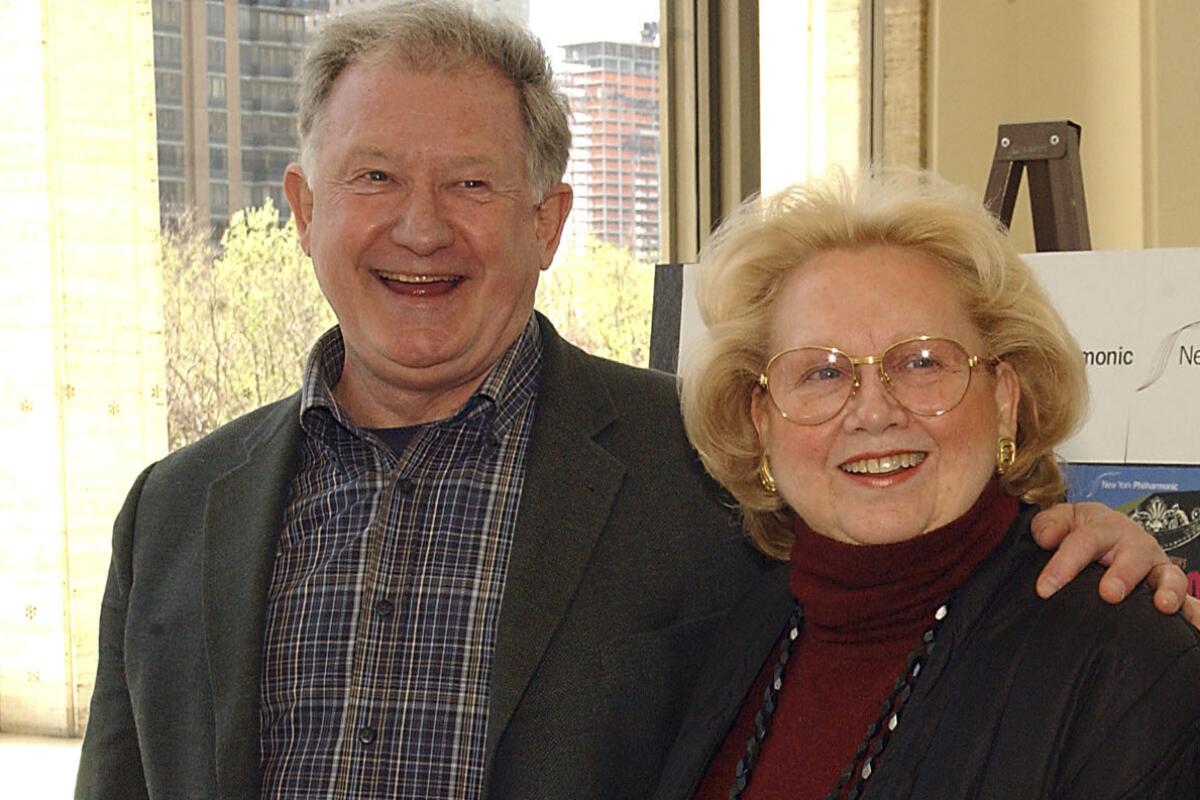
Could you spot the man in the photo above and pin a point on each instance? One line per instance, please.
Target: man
(466, 558)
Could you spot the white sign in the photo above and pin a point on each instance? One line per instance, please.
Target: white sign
(1136, 315)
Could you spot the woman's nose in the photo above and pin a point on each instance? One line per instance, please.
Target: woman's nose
(872, 407)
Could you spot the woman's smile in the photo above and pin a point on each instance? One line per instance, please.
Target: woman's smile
(882, 464)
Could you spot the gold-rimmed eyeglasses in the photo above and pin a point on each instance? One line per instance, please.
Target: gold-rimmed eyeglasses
(927, 375)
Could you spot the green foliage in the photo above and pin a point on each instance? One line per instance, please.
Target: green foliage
(239, 319)
(600, 298)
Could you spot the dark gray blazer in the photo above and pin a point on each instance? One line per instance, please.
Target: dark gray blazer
(623, 563)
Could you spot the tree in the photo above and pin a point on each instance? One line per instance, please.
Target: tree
(239, 318)
(600, 297)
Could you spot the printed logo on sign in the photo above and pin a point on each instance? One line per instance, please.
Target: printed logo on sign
(1188, 355)
(1120, 357)
(1163, 499)
(1174, 520)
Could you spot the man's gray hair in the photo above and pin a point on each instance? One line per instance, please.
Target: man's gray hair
(437, 36)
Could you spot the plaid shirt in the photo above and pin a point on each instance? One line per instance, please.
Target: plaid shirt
(382, 611)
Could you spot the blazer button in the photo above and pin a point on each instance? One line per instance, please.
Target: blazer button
(366, 734)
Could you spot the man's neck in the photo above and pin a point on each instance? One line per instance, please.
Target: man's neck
(372, 403)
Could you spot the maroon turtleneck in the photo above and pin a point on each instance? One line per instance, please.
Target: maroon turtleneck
(865, 608)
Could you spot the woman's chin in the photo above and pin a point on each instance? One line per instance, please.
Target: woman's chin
(875, 527)
(878, 536)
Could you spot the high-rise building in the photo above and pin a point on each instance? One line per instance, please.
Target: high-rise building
(225, 88)
(613, 88)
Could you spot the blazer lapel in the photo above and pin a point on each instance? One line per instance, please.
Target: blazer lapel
(243, 516)
(570, 485)
(745, 642)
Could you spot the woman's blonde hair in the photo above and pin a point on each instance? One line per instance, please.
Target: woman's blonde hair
(744, 265)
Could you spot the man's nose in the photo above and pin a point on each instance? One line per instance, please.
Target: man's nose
(872, 407)
(421, 224)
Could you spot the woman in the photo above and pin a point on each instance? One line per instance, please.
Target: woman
(882, 389)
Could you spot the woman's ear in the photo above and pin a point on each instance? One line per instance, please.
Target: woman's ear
(1008, 398)
(760, 413)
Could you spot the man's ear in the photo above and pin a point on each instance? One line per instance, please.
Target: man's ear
(300, 198)
(549, 218)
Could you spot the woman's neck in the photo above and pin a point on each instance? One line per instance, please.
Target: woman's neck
(862, 592)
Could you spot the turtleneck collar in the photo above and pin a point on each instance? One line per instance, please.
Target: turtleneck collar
(864, 593)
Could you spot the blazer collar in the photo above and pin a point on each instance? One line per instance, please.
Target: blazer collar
(740, 649)
(571, 482)
(244, 512)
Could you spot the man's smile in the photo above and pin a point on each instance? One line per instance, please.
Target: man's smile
(418, 285)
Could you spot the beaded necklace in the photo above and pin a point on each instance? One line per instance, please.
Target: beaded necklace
(879, 733)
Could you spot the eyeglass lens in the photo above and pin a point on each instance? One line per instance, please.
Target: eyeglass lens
(928, 377)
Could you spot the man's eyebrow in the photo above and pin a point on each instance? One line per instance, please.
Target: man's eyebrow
(471, 161)
(452, 161)
(368, 151)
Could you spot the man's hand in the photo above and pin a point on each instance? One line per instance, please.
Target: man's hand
(1087, 532)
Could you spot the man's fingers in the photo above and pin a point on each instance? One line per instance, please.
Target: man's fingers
(1073, 554)
(1051, 525)
(1191, 610)
(1087, 532)
(1133, 559)
(1170, 588)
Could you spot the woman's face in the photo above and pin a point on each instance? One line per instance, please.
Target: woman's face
(861, 301)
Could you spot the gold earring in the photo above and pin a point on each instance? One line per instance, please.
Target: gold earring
(1006, 454)
(764, 474)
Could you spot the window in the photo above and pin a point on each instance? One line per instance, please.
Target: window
(273, 130)
(265, 166)
(167, 50)
(216, 55)
(216, 126)
(170, 195)
(841, 83)
(810, 89)
(170, 158)
(218, 162)
(168, 87)
(170, 123)
(218, 197)
(215, 17)
(216, 92)
(166, 15)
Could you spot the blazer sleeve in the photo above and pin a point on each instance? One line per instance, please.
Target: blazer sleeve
(110, 763)
(1150, 748)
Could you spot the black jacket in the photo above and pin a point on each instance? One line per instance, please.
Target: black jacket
(1021, 697)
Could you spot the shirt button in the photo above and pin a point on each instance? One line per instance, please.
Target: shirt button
(366, 734)
(384, 608)
(407, 485)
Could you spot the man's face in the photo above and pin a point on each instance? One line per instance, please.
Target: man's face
(423, 233)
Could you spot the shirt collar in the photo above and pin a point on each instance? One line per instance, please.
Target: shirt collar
(508, 386)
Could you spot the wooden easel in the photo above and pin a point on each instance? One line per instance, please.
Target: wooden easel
(1049, 151)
